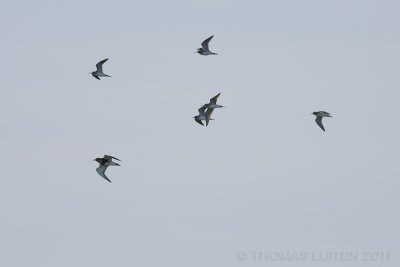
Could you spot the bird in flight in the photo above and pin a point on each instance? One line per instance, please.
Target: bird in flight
(319, 115)
(202, 116)
(211, 106)
(104, 162)
(99, 70)
(204, 50)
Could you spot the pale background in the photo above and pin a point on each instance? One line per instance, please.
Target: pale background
(261, 177)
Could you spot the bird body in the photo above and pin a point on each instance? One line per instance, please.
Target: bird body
(204, 50)
(104, 162)
(205, 53)
(319, 115)
(99, 70)
(214, 105)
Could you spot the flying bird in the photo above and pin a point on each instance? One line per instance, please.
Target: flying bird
(202, 116)
(204, 50)
(213, 102)
(211, 106)
(99, 72)
(104, 162)
(319, 115)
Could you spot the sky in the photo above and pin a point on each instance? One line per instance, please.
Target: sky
(261, 179)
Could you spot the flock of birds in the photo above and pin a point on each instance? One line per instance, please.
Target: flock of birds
(205, 111)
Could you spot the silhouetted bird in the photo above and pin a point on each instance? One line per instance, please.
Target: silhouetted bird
(319, 115)
(104, 163)
(205, 51)
(99, 72)
(202, 115)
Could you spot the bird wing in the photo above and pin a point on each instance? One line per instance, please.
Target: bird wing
(214, 99)
(99, 65)
(101, 171)
(208, 115)
(199, 121)
(110, 157)
(204, 44)
(97, 77)
(202, 110)
(318, 120)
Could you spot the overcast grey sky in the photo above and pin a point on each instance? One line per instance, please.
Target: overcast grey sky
(262, 177)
